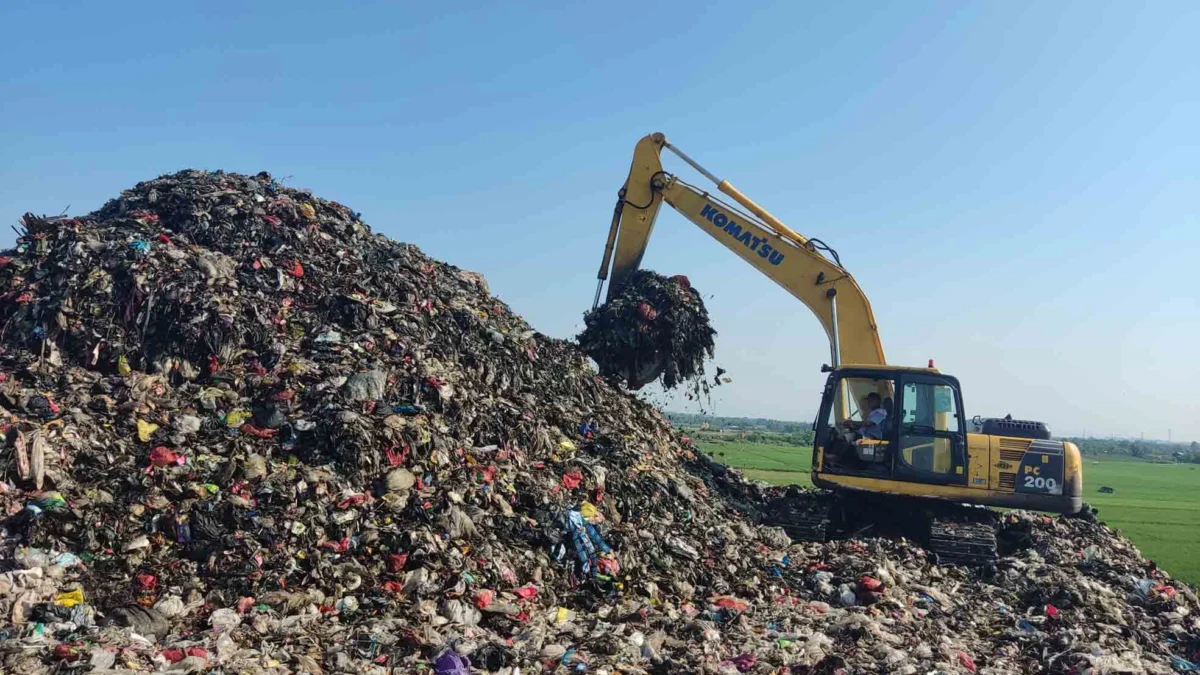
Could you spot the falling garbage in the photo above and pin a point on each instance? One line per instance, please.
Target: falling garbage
(244, 434)
(656, 327)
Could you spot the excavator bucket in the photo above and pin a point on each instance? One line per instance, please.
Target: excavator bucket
(655, 328)
(644, 372)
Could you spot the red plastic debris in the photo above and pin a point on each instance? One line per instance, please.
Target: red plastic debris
(647, 311)
(352, 500)
(397, 561)
(526, 592)
(484, 598)
(396, 457)
(608, 565)
(163, 456)
(173, 655)
(296, 269)
(147, 581)
(572, 479)
(66, 652)
(393, 586)
(870, 583)
(966, 661)
(488, 474)
(730, 602)
(164, 239)
(1051, 611)
(144, 217)
(341, 546)
(245, 604)
(258, 432)
(1168, 591)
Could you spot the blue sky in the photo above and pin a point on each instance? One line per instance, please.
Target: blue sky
(1016, 185)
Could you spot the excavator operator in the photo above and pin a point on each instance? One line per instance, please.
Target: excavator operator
(873, 420)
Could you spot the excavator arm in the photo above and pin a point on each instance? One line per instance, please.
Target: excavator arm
(791, 260)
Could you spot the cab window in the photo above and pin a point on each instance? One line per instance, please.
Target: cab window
(930, 405)
(928, 419)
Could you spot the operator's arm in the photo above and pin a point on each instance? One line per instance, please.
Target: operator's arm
(750, 232)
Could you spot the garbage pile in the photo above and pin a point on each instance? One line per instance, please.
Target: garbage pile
(655, 327)
(243, 434)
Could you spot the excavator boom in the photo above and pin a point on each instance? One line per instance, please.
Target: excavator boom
(756, 236)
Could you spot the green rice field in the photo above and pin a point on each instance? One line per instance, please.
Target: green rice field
(1156, 505)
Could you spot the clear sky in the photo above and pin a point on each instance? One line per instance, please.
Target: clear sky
(1016, 185)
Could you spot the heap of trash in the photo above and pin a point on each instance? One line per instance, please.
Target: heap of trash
(243, 434)
(654, 328)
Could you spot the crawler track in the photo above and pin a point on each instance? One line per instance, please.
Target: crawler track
(956, 534)
(967, 543)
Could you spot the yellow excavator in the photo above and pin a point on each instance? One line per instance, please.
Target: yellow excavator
(890, 440)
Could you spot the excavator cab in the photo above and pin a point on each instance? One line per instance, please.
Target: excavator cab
(892, 424)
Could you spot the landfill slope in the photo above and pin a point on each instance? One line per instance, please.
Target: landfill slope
(244, 434)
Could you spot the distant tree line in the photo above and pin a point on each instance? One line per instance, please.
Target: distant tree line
(718, 428)
(800, 438)
(748, 424)
(1150, 450)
